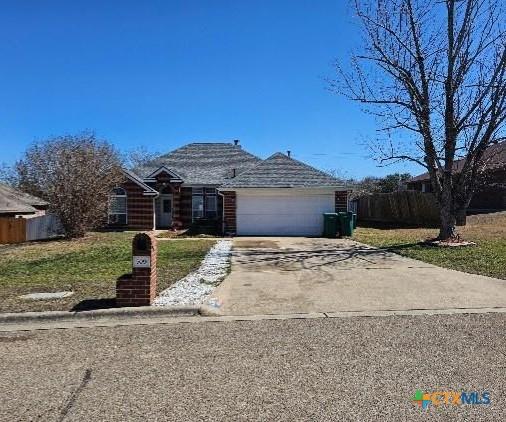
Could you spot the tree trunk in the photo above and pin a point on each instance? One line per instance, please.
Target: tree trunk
(447, 226)
(447, 215)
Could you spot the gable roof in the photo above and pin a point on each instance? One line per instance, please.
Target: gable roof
(136, 179)
(281, 171)
(174, 176)
(204, 163)
(494, 157)
(14, 201)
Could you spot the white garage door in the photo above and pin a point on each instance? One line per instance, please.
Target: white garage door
(282, 213)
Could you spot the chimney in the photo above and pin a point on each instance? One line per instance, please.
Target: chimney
(236, 141)
(288, 153)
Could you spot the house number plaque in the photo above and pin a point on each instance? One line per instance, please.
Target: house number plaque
(142, 262)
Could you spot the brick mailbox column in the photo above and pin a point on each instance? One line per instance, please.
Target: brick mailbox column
(139, 287)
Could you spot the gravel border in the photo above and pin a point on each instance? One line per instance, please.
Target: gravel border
(197, 286)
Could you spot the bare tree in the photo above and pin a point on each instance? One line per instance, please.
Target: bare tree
(433, 72)
(137, 158)
(75, 174)
(8, 174)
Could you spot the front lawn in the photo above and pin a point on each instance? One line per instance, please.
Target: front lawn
(487, 258)
(89, 267)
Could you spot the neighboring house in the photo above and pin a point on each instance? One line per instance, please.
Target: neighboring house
(222, 183)
(491, 195)
(14, 203)
(28, 218)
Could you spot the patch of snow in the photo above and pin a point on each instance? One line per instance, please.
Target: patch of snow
(196, 286)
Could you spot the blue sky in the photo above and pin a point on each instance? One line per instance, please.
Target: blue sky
(164, 73)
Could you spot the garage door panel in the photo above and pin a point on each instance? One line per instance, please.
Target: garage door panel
(282, 215)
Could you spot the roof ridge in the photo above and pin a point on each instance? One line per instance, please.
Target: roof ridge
(280, 154)
(280, 170)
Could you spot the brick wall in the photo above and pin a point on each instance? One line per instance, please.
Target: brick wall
(341, 201)
(139, 208)
(139, 287)
(186, 207)
(229, 212)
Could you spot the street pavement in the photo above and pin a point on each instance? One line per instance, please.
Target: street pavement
(342, 369)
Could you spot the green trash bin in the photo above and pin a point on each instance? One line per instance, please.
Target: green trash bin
(354, 221)
(330, 224)
(346, 224)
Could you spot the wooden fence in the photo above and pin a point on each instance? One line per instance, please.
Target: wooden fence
(407, 207)
(12, 230)
(17, 230)
(43, 227)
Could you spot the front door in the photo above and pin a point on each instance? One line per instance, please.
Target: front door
(165, 211)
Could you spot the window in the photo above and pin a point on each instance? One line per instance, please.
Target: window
(204, 203)
(197, 206)
(118, 206)
(210, 206)
(167, 206)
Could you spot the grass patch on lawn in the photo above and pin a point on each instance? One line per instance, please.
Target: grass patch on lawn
(89, 267)
(487, 258)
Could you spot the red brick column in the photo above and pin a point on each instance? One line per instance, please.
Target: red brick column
(341, 201)
(229, 213)
(139, 287)
(176, 209)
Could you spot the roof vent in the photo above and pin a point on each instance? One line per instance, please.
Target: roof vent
(236, 141)
(289, 153)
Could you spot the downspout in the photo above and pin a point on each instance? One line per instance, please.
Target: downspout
(154, 211)
(222, 212)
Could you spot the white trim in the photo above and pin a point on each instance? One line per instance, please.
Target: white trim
(282, 191)
(225, 188)
(154, 213)
(148, 191)
(175, 176)
(200, 185)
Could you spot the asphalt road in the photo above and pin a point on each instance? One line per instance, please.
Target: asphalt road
(362, 369)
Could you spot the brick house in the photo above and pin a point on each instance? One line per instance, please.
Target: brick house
(224, 185)
(491, 195)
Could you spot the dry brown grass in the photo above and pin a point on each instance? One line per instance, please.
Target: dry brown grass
(488, 257)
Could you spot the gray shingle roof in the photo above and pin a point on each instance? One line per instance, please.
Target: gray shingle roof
(281, 171)
(204, 163)
(14, 201)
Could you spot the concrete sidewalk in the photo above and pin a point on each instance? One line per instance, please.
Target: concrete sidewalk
(300, 275)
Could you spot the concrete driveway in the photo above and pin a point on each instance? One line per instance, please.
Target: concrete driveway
(301, 275)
